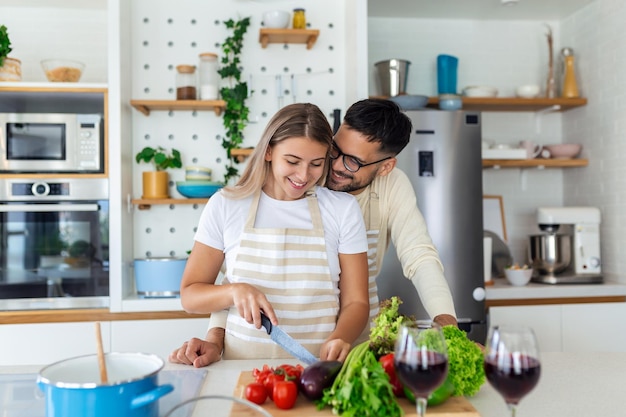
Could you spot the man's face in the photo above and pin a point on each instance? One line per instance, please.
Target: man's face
(354, 144)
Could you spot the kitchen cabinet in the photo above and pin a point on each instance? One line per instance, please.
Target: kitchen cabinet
(307, 36)
(589, 327)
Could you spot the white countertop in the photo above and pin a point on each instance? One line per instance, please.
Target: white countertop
(502, 290)
(571, 385)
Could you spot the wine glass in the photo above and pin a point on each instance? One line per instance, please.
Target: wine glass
(512, 362)
(421, 359)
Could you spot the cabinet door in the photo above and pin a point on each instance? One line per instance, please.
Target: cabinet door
(46, 343)
(599, 327)
(544, 320)
(159, 337)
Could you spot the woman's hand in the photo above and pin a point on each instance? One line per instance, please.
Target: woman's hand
(249, 302)
(334, 350)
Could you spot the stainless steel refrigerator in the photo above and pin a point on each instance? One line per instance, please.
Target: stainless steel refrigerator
(443, 161)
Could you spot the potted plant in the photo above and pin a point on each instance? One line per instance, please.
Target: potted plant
(10, 68)
(155, 183)
(234, 94)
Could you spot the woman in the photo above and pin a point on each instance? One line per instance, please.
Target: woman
(291, 248)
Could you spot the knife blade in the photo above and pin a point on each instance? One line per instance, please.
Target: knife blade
(287, 342)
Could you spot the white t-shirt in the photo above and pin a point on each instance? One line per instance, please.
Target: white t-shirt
(222, 221)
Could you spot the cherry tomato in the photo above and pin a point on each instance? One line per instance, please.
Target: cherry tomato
(270, 381)
(387, 362)
(285, 394)
(255, 392)
(291, 372)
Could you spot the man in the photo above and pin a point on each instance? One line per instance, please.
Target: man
(363, 164)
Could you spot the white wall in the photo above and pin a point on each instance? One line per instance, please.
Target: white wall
(597, 35)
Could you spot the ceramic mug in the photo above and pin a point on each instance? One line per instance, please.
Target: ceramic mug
(533, 149)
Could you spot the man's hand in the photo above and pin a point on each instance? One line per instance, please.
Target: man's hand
(200, 353)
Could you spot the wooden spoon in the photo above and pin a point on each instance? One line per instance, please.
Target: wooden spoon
(101, 362)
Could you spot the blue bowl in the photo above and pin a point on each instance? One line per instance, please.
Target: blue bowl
(198, 189)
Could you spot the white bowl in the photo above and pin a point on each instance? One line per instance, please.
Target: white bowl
(518, 277)
(527, 91)
(564, 150)
(480, 91)
(276, 19)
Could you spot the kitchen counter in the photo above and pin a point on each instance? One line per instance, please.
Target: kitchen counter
(571, 385)
(502, 293)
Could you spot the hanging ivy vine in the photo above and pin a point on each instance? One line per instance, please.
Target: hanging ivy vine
(234, 93)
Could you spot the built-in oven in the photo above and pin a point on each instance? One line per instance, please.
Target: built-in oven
(54, 243)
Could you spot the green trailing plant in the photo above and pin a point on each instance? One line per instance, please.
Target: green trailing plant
(5, 44)
(160, 158)
(235, 93)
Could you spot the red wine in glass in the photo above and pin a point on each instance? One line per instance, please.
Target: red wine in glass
(421, 359)
(513, 376)
(512, 363)
(422, 372)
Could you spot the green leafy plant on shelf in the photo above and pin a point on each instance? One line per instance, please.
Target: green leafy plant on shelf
(5, 44)
(235, 93)
(160, 158)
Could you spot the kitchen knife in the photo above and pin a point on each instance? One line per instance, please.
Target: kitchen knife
(287, 342)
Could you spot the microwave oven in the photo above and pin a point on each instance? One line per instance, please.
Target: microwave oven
(51, 143)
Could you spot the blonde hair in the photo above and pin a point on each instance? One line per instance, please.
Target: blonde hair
(294, 120)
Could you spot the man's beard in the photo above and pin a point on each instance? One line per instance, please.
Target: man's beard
(350, 186)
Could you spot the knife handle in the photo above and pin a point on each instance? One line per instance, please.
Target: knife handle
(265, 322)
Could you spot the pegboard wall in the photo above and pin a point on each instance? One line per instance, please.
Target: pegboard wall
(166, 34)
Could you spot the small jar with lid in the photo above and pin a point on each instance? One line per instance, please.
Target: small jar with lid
(299, 19)
(186, 82)
(209, 77)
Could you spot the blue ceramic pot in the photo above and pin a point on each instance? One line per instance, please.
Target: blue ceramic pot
(72, 387)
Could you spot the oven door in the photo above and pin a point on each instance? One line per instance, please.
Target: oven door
(54, 255)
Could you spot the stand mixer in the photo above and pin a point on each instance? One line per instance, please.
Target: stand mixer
(569, 250)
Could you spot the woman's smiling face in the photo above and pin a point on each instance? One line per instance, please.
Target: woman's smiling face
(296, 165)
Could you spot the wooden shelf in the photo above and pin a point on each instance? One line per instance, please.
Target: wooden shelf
(515, 104)
(535, 163)
(241, 154)
(146, 106)
(308, 36)
(146, 203)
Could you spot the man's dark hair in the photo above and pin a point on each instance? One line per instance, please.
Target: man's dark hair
(382, 121)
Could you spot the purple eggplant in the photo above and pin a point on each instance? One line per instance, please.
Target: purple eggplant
(318, 376)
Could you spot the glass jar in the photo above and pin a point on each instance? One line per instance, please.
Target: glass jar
(186, 82)
(209, 78)
(299, 19)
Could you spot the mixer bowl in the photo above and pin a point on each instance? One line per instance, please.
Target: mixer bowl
(550, 254)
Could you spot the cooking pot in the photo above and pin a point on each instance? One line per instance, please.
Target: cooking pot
(550, 253)
(72, 387)
(159, 277)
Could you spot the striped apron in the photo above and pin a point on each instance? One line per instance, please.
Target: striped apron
(371, 217)
(290, 266)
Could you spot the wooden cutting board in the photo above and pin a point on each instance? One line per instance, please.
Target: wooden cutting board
(454, 407)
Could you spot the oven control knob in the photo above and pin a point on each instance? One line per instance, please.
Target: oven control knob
(40, 189)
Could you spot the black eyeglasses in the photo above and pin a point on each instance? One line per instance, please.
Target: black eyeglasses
(351, 163)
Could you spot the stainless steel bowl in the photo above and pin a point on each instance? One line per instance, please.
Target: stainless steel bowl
(550, 253)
